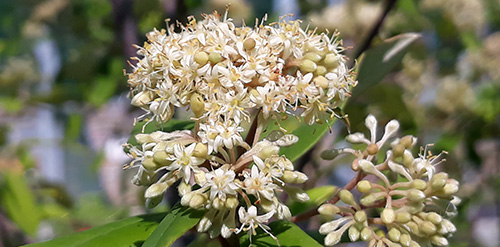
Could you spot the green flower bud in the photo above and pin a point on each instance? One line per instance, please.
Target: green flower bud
(297, 194)
(372, 149)
(232, 202)
(149, 164)
(398, 150)
(156, 190)
(307, 66)
(364, 186)
(289, 177)
(197, 200)
(419, 184)
(160, 158)
(439, 180)
(347, 197)
(315, 57)
(394, 235)
(353, 234)
(249, 44)
(403, 217)
(333, 238)
(427, 228)
(330, 154)
(408, 159)
(360, 216)
(201, 58)
(218, 204)
(415, 195)
(266, 204)
(214, 57)
(320, 71)
(439, 240)
(197, 105)
(301, 177)
(415, 207)
(200, 150)
(183, 188)
(154, 201)
(434, 218)
(414, 244)
(321, 82)
(328, 210)
(407, 141)
(405, 239)
(368, 200)
(366, 234)
(387, 215)
(142, 98)
(331, 61)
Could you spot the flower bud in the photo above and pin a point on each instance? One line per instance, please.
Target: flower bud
(414, 244)
(149, 164)
(333, 238)
(197, 105)
(297, 194)
(413, 228)
(364, 186)
(391, 128)
(218, 204)
(313, 56)
(232, 202)
(307, 66)
(268, 151)
(249, 44)
(199, 177)
(353, 233)
(366, 234)
(330, 154)
(439, 240)
(387, 215)
(301, 177)
(275, 135)
(155, 190)
(186, 199)
(394, 235)
(368, 200)
(415, 195)
(403, 217)
(331, 61)
(160, 158)
(154, 201)
(415, 207)
(321, 81)
(347, 197)
(328, 210)
(200, 150)
(184, 188)
(419, 184)
(360, 216)
(142, 98)
(434, 218)
(287, 140)
(214, 57)
(407, 141)
(201, 58)
(204, 224)
(405, 239)
(372, 149)
(289, 177)
(320, 71)
(427, 228)
(439, 180)
(398, 150)
(197, 200)
(408, 159)
(355, 138)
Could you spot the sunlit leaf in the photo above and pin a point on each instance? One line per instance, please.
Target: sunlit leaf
(288, 234)
(317, 196)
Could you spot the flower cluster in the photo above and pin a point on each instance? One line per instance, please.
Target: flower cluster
(414, 201)
(227, 76)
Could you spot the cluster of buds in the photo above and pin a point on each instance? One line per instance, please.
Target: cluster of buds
(226, 76)
(410, 205)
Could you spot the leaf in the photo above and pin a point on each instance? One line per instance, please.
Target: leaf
(288, 234)
(179, 220)
(172, 125)
(19, 202)
(381, 59)
(317, 196)
(308, 135)
(128, 232)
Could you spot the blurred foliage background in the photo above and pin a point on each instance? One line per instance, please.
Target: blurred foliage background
(64, 111)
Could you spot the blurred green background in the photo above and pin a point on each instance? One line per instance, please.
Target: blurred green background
(64, 111)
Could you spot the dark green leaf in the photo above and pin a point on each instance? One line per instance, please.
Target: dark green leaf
(288, 234)
(128, 232)
(179, 220)
(381, 59)
(318, 195)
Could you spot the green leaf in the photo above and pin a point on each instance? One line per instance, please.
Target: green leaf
(318, 195)
(381, 59)
(308, 135)
(172, 125)
(179, 220)
(128, 232)
(288, 234)
(19, 202)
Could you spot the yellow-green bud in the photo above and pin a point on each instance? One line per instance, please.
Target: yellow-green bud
(289, 177)
(320, 70)
(160, 158)
(197, 200)
(331, 61)
(218, 204)
(200, 150)
(214, 57)
(439, 240)
(394, 235)
(301, 177)
(398, 150)
(197, 105)
(360, 216)
(307, 66)
(405, 239)
(328, 210)
(413, 228)
(427, 228)
(330, 154)
(419, 184)
(333, 238)
(439, 180)
(321, 81)
(407, 141)
(387, 215)
(434, 218)
(403, 217)
(249, 44)
(372, 149)
(415, 195)
(415, 207)
(201, 58)
(368, 200)
(297, 194)
(408, 159)
(366, 233)
(142, 98)
(364, 186)
(347, 197)
(156, 190)
(183, 188)
(232, 202)
(353, 234)
(149, 164)
(449, 190)
(315, 57)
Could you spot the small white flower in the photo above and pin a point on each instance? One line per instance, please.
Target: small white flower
(259, 184)
(184, 162)
(250, 220)
(221, 183)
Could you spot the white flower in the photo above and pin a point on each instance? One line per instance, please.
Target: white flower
(259, 184)
(221, 183)
(184, 162)
(250, 220)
